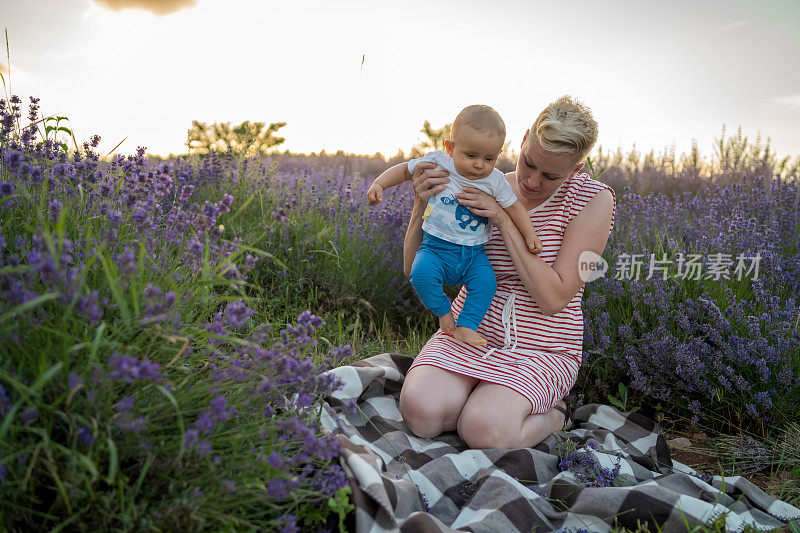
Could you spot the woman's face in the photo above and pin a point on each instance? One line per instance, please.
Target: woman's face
(539, 172)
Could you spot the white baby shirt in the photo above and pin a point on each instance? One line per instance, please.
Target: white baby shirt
(446, 218)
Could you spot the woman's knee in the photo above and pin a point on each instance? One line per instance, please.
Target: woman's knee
(480, 428)
(425, 418)
(419, 418)
(429, 410)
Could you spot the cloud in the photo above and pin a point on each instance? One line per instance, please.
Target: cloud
(792, 101)
(735, 25)
(157, 7)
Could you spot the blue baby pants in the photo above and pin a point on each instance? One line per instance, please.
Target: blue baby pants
(439, 262)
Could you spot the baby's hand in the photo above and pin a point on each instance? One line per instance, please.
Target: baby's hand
(375, 194)
(534, 244)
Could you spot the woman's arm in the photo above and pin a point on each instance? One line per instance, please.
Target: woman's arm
(413, 240)
(551, 287)
(427, 182)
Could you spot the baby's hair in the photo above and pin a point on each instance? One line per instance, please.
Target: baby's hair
(482, 118)
(566, 127)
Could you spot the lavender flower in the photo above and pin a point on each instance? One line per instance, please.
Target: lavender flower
(129, 369)
(288, 524)
(280, 488)
(276, 460)
(89, 306)
(29, 414)
(237, 313)
(55, 209)
(74, 381)
(5, 401)
(159, 308)
(85, 435)
(7, 188)
(587, 470)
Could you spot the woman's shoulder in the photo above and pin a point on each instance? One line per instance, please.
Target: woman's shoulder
(581, 188)
(578, 191)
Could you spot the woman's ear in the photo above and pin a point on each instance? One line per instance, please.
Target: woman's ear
(577, 169)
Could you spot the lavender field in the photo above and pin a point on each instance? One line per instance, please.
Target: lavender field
(165, 323)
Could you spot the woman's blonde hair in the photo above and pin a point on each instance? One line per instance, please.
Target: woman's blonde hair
(566, 127)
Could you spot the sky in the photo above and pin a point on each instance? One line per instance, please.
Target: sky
(363, 76)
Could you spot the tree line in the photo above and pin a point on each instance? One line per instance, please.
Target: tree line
(258, 138)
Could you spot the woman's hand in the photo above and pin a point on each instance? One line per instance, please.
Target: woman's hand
(427, 180)
(482, 204)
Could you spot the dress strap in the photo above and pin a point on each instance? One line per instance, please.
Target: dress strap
(509, 324)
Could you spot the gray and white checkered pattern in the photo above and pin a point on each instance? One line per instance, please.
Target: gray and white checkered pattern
(404, 483)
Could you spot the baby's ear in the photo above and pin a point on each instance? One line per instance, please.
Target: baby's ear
(448, 146)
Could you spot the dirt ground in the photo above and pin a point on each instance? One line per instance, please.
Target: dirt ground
(693, 449)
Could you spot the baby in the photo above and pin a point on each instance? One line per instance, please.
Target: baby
(452, 242)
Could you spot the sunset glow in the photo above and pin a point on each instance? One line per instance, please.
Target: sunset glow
(363, 76)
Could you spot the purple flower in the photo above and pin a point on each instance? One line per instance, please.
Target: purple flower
(287, 524)
(587, 470)
(339, 354)
(74, 381)
(85, 435)
(126, 404)
(29, 414)
(127, 263)
(131, 423)
(129, 369)
(14, 159)
(89, 306)
(219, 408)
(763, 398)
(203, 448)
(55, 209)
(204, 423)
(5, 401)
(6, 188)
(330, 480)
(159, 309)
(237, 313)
(279, 488)
(276, 460)
(191, 438)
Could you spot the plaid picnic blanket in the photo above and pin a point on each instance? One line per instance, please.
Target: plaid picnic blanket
(611, 468)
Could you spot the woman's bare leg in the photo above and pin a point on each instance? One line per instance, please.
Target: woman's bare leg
(432, 398)
(499, 417)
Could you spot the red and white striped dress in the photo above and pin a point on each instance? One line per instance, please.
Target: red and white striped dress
(536, 355)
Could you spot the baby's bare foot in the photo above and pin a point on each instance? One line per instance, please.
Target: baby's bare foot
(470, 336)
(447, 323)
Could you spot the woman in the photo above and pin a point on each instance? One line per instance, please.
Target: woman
(510, 393)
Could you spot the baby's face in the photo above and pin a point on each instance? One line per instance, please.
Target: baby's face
(474, 152)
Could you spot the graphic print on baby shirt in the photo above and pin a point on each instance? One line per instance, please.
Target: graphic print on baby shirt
(464, 216)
